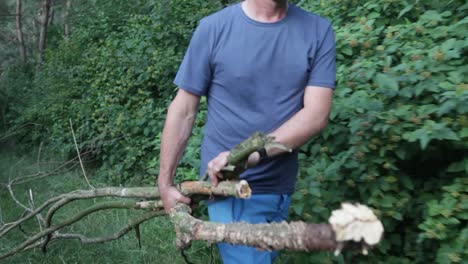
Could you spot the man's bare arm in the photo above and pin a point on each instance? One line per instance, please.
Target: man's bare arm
(177, 129)
(309, 121)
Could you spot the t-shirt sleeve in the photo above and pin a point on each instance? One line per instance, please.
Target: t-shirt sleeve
(323, 62)
(194, 74)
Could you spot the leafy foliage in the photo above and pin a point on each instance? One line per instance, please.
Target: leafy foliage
(397, 132)
(113, 80)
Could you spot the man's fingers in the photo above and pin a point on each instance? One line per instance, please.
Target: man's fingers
(214, 178)
(171, 196)
(216, 165)
(184, 199)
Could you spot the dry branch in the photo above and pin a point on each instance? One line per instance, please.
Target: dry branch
(79, 156)
(70, 164)
(93, 240)
(351, 224)
(297, 236)
(132, 224)
(77, 217)
(236, 189)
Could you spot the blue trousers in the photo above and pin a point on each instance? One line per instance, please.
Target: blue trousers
(260, 208)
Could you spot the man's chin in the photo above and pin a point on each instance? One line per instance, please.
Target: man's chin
(281, 2)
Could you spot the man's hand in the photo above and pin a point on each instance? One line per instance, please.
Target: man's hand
(216, 165)
(170, 196)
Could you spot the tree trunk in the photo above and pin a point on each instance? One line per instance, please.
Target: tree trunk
(51, 13)
(19, 32)
(43, 32)
(66, 27)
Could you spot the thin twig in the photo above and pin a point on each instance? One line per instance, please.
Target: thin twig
(40, 219)
(40, 175)
(136, 192)
(1, 217)
(75, 218)
(92, 240)
(39, 158)
(15, 131)
(79, 157)
(132, 224)
(16, 200)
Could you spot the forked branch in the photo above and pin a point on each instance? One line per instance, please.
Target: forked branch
(236, 189)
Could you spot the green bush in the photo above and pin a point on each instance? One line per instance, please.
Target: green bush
(397, 137)
(397, 132)
(113, 80)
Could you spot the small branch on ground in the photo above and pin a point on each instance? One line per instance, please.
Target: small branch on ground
(236, 189)
(79, 156)
(77, 217)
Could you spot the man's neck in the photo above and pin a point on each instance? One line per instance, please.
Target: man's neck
(266, 11)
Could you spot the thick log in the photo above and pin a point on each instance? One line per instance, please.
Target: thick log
(296, 236)
(352, 226)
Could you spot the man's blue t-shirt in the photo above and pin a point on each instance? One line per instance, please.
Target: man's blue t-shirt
(254, 76)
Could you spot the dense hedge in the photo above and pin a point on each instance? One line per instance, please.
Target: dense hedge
(397, 137)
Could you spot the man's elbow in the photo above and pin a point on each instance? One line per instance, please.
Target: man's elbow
(321, 124)
(184, 105)
(318, 123)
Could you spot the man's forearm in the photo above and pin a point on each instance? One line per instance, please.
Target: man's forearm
(177, 129)
(306, 123)
(299, 129)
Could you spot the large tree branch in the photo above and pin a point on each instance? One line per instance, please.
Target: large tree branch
(353, 223)
(348, 226)
(298, 236)
(236, 189)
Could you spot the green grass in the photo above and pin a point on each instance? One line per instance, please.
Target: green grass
(157, 235)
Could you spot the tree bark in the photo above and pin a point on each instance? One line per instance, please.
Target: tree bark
(353, 226)
(51, 13)
(66, 26)
(43, 32)
(297, 236)
(236, 189)
(19, 32)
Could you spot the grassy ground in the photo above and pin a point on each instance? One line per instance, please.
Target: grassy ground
(157, 234)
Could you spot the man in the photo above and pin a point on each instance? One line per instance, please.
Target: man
(264, 65)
